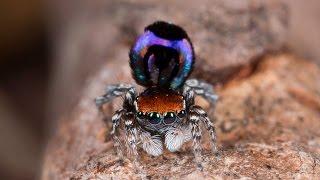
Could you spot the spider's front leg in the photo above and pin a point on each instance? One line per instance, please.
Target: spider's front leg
(131, 136)
(194, 86)
(116, 118)
(196, 115)
(127, 109)
(209, 125)
(196, 137)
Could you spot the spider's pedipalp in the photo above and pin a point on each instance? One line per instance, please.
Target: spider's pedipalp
(175, 137)
(151, 144)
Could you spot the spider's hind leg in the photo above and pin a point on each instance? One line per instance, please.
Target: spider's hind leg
(111, 92)
(201, 88)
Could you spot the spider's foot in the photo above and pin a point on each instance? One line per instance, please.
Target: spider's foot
(121, 162)
(217, 155)
(199, 167)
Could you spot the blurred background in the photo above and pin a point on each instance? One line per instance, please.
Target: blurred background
(34, 84)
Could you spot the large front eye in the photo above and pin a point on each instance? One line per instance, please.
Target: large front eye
(169, 118)
(154, 118)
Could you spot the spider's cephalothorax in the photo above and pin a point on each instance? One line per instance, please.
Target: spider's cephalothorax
(164, 114)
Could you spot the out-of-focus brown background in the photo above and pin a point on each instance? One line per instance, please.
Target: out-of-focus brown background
(31, 98)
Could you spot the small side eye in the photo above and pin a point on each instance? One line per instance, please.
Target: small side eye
(182, 114)
(154, 118)
(140, 115)
(169, 118)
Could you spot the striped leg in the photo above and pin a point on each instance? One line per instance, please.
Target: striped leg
(201, 88)
(196, 137)
(205, 90)
(113, 91)
(210, 127)
(116, 118)
(132, 138)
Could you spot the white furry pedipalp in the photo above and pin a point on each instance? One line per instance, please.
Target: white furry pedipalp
(151, 144)
(175, 137)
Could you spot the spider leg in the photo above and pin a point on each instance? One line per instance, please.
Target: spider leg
(194, 120)
(111, 92)
(132, 138)
(127, 108)
(116, 118)
(131, 134)
(188, 93)
(195, 114)
(209, 125)
(201, 88)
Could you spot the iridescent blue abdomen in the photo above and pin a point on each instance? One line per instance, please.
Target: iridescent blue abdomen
(162, 56)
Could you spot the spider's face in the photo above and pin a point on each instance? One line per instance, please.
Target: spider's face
(160, 108)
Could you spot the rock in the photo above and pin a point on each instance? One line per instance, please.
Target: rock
(267, 126)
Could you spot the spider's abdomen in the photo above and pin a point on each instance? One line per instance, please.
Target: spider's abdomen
(162, 56)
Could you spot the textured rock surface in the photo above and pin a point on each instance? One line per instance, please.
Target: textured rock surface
(268, 127)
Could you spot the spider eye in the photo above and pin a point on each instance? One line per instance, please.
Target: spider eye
(140, 115)
(169, 118)
(182, 114)
(154, 118)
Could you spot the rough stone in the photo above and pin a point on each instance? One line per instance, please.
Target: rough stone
(267, 122)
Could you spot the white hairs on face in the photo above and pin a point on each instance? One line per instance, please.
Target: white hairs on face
(175, 137)
(151, 144)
